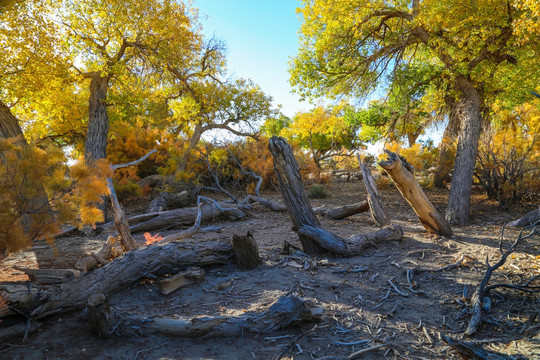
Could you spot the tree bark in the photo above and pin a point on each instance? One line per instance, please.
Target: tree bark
(293, 191)
(95, 146)
(446, 160)
(286, 311)
(122, 272)
(246, 250)
(313, 237)
(412, 192)
(469, 111)
(341, 212)
(374, 199)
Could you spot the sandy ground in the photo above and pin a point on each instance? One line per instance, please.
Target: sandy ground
(354, 292)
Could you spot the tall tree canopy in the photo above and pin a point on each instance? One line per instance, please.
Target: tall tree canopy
(348, 47)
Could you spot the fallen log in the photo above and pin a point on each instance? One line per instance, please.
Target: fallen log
(124, 271)
(527, 219)
(167, 200)
(184, 278)
(374, 198)
(270, 204)
(187, 216)
(470, 351)
(314, 238)
(341, 212)
(285, 312)
(19, 330)
(50, 276)
(415, 196)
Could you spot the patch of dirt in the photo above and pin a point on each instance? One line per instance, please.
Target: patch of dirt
(355, 292)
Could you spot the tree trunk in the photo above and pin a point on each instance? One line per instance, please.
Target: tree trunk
(446, 159)
(374, 199)
(122, 272)
(412, 192)
(293, 191)
(95, 146)
(469, 112)
(313, 237)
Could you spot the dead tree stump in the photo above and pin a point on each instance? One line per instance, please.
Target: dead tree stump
(413, 193)
(374, 199)
(246, 250)
(313, 237)
(293, 191)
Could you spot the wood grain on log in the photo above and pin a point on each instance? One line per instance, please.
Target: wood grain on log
(293, 191)
(122, 272)
(341, 212)
(415, 196)
(184, 278)
(374, 198)
(166, 200)
(88, 263)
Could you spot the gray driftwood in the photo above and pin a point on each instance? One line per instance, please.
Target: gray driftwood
(313, 237)
(341, 212)
(172, 283)
(167, 200)
(124, 271)
(102, 256)
(374, 198)
(285, 312)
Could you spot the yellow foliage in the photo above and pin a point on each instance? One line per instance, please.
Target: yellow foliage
(33, 180)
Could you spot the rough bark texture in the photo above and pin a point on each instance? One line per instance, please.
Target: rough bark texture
(9, 125)
(446, 160)
(374, 199)
(88, 263)
(314, 238)
(95, 146)
(527, 219)
(293, 191)
(415, 196)
(469, 111)
(120, 273)
(286, 311)
(246, 250)
(341, 212)
(166, 200)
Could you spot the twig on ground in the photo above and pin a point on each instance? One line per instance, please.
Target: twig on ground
(149, 349)
(292, 344)
(363, 351)
(396, 289)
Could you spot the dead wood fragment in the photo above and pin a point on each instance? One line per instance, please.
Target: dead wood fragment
(270, 204)
(50, 276)
(480, 295)
(527, 219)
(415, 196)
(167, 200)
(470, 351)
(124, 271)
(366, 350)
(246, 250)
(314, 238)
(341, 212)
(184, 278)
(88, 263)
(374, 199)
(287, 311)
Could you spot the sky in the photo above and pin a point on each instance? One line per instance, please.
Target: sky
(261, 37)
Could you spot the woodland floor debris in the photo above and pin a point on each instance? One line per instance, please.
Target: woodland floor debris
(359, 307)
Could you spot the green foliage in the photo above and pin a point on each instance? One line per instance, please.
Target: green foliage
(317, 192)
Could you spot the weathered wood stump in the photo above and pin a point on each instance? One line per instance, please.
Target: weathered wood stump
(415, 196)
(246, 250)
(374, 198)
(313, 237)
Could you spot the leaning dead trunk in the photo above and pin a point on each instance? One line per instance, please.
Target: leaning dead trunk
(313, 237)
(374, 199)
(413, 193)
(469, 112)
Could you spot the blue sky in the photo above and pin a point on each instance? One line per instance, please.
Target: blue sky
(261, 36)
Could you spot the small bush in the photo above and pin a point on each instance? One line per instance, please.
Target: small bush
(318, 192)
